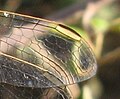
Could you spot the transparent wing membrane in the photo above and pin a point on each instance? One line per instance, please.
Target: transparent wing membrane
(39, 53)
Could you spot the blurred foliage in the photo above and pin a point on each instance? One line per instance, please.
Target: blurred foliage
(102, 31)
(35, 7)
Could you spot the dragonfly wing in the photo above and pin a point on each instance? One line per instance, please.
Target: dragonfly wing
(49, 47)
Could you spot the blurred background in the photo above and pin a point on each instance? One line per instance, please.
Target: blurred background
(98, 21)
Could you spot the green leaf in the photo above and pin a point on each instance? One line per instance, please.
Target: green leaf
(99, 25)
